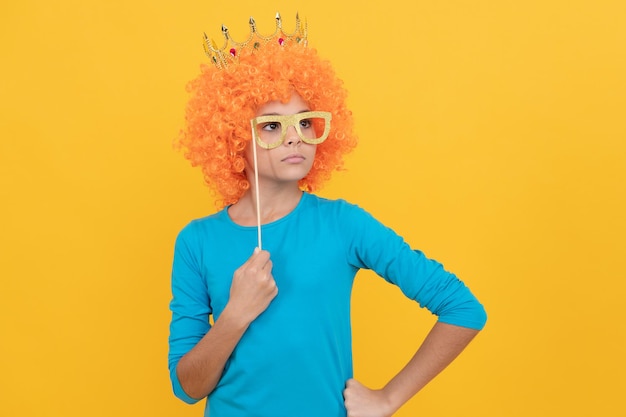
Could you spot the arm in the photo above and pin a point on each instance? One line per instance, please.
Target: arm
(442, 345)
(424, 280)
(252, 290)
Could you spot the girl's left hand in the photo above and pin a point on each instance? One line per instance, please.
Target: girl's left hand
(361, 401)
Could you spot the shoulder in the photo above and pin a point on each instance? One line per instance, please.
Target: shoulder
(346, 217)
(196, 228)
(331, 205)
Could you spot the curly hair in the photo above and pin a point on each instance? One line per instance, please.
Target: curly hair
(217, 128)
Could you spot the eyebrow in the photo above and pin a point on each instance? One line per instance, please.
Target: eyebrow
(278, 114)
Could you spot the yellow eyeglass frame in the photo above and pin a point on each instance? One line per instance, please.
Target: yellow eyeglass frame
(291, 120)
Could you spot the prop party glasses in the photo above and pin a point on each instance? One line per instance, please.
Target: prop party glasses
(311, 126)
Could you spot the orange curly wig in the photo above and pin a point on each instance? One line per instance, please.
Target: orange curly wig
(217, 128)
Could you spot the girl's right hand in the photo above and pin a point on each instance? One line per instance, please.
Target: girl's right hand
(253, 287)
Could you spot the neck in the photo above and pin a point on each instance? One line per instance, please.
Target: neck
(275, 203)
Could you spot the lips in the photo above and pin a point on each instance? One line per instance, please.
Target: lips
(293, 158)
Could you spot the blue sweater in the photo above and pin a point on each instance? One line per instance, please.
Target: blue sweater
(295, 358)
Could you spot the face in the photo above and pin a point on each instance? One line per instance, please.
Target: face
(291, 160)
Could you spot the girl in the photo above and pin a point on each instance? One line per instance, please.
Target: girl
(261, 289)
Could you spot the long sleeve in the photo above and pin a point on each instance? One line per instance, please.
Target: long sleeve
(190, 305)
(374, 246)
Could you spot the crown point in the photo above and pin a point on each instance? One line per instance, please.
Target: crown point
(252, 25)
(225, 32)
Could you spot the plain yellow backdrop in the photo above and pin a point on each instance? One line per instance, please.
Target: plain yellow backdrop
(492, 136)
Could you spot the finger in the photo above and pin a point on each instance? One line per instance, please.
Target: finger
(259, 259)
(350, 383)
(347, 389)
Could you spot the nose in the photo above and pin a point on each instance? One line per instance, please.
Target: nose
(292, 137)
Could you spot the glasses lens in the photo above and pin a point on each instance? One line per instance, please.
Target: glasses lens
(269, 132)
(312, 128)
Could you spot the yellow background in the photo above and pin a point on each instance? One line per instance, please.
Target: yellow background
(493, 137)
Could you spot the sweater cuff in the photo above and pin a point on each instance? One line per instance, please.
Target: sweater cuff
(178, 389)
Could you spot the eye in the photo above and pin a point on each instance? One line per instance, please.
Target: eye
(270, 126)
(306, 123)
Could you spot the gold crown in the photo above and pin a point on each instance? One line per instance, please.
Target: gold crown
(229, 52)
